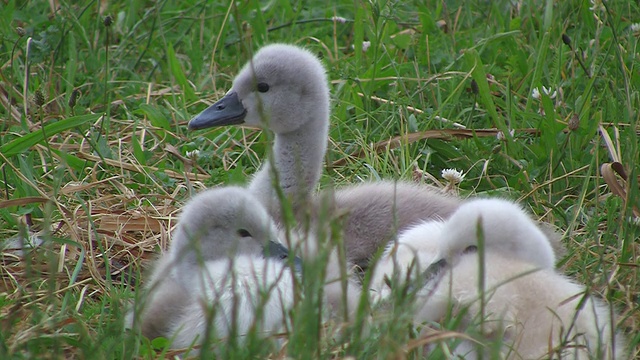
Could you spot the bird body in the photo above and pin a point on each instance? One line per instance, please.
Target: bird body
(375, 212)
(244, 292)
(534, 312)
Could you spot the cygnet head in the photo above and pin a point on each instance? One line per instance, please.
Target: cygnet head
(283, 86)
(506, 228)
(219, 224)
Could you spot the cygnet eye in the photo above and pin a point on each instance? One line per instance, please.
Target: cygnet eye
(244, 233)
(470, 249)
(263, 87)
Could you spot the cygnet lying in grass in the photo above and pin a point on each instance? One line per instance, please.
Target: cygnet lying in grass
(223, 265)
(226, 272)
(529, 307)
(506, 228)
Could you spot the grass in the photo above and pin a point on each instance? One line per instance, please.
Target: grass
(93, 140)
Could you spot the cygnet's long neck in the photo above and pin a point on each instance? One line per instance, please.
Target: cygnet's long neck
(297, 156)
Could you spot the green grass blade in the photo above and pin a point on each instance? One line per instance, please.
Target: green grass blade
(21, 144)
(178, 73)
(474, 63)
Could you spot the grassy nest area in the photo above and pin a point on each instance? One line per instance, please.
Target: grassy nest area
(533, 101)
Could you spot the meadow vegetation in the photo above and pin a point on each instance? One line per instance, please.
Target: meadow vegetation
(96, 159)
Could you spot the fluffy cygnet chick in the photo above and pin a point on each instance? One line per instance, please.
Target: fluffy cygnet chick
(535, 311)
(223, 258)
(506, 228)
(284, 89)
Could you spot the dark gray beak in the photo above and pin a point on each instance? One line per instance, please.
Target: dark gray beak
(226, 111)
(276, 250)
(279, 251)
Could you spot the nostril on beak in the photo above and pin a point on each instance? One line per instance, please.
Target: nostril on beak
(220, 107)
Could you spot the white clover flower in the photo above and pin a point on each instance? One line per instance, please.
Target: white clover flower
(535, 93)
(365, 46)
(453, 176)
(549, 93)
(193, 154)
(339, 19)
